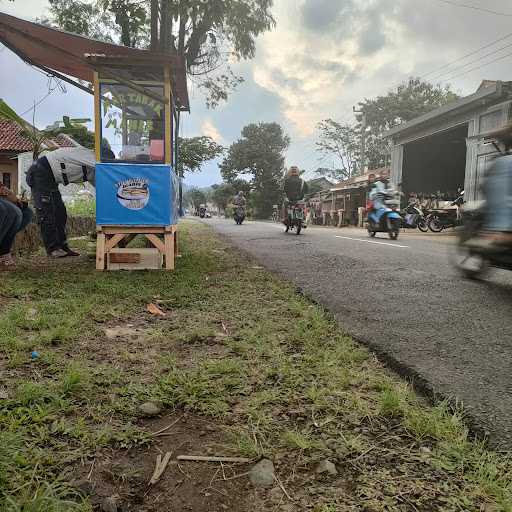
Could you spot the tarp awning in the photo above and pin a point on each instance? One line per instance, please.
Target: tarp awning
(69, 54)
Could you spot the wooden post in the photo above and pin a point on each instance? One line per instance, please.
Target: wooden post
(168, 115)
(100, 250)
(169, 248)
(97, 117)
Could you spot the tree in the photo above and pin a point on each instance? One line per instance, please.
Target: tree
(259, 153)
(223, 193)
(207, 34)
(195, 152)
(410, 100)
(77, 131)
(195, 197)
(340, 141)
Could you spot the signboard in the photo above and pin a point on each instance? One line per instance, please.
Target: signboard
(136, 195)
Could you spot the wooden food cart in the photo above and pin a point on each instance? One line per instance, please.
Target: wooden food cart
(138, 98)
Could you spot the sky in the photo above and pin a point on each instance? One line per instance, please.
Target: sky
(322, 58)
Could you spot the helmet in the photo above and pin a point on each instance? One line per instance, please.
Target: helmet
(293, 171)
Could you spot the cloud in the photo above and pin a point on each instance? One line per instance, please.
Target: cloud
(210, 130)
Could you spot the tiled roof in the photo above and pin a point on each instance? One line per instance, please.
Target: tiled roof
(11, 138)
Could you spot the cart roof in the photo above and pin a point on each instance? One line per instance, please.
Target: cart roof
(79, 56)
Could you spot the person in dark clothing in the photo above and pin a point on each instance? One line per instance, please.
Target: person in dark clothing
(15, 215)
(51, 212)
(295, 188)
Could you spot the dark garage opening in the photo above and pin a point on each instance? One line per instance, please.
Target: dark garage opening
(436, 164)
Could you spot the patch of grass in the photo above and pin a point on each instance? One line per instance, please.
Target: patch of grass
(240, 346)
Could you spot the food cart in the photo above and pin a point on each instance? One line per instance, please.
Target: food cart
(138, 98)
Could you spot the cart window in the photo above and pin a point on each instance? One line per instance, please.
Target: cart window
(133, 125)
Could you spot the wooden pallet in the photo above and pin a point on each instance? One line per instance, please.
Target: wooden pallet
(164, 238)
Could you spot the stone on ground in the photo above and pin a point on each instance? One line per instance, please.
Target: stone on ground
(150, 409)
(262, 474)
(326, 466)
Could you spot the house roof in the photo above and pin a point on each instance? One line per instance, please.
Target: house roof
(361, 180)
(11, 139)
(79, 57)
(488, 90)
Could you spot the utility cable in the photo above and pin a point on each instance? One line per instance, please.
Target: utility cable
(475, 8)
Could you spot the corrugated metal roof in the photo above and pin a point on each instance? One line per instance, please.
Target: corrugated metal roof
(493, 89)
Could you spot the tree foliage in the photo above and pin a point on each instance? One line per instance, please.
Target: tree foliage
(207, 34)
(194, 152)
(342, 142)
(223, 193)
(410, 100)
(195, 197)
(77, 131)
(259, 155)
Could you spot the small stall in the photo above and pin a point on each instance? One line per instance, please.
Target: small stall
(138, 98)
(136, 187)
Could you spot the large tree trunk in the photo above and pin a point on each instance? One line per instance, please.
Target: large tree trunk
(166, 26)
(154, 25)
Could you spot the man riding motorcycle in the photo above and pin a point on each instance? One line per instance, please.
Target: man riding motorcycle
(295, 188)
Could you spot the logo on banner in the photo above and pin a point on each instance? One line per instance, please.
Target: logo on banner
(133, 193)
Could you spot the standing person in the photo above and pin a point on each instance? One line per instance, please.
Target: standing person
(15, 215)
(62, 166)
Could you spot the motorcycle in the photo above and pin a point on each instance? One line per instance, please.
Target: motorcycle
(472, 259)
(202, 212)
(414, 218)
(239, 215)
(296, 217)
(448, 218)
(385, 219)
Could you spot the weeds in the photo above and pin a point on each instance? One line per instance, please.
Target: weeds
(240, 346)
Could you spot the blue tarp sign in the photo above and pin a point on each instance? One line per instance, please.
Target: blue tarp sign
(136, 194)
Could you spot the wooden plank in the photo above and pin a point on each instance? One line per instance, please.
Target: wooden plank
(113, 241)
(176, 245)
(169, 251)
(156, 242)
(124, 257)
(113, 230)
(100, 251)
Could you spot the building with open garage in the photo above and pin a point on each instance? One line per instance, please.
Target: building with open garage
(440, 152)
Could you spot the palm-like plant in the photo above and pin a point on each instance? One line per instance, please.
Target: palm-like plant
(29, 131)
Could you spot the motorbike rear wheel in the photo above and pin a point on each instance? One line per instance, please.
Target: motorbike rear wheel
(299, 227)
(435, 224)
(423, 225)
(393, 228)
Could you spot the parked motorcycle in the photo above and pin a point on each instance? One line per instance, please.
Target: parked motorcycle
(414, 218)
(239, 215)
(296, 217)
(471, 259)
(386, 219)
(202, 211)
(447, 218)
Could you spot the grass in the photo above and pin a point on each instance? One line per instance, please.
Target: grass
(239, 346)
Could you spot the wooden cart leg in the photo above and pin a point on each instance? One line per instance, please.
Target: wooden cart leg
(100, 251)
(169, 250)
(176, 245)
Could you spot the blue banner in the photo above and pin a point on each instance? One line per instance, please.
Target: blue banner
(136, 194)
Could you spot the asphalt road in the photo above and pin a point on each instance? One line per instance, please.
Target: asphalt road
(406, 301)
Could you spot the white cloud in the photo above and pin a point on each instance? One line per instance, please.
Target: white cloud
(210, 130)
